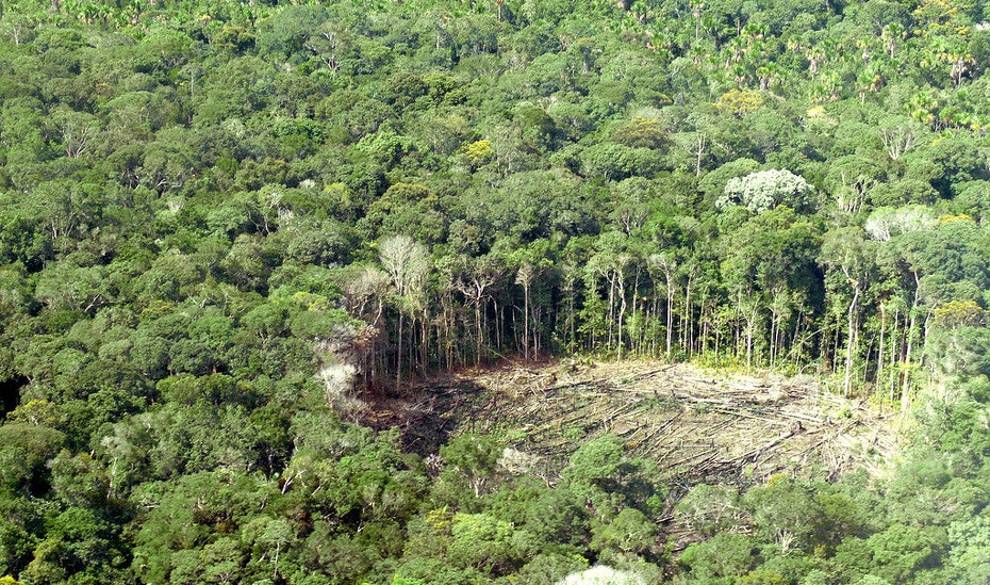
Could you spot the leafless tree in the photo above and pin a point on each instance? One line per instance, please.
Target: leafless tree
(407, 264)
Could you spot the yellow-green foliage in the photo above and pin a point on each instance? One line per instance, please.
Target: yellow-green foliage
(479, 152)
(740, 101)
(959, 312)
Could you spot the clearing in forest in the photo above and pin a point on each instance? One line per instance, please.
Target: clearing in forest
(698, 425)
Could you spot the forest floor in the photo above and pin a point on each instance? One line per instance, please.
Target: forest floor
(699, 426)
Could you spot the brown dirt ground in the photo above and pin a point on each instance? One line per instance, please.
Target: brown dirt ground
(697, 425)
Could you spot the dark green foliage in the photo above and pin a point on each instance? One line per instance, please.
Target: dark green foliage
(219, 221)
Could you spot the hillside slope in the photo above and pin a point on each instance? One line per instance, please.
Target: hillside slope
(696, 425)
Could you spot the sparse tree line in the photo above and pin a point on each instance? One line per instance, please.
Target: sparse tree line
(780, 292)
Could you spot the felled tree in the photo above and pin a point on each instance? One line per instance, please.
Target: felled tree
(764, 190)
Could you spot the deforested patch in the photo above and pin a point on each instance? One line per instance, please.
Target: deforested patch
(698, 426)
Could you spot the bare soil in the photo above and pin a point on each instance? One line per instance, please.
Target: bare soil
(699, 426)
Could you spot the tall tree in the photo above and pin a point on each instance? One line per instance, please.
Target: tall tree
(407, 264)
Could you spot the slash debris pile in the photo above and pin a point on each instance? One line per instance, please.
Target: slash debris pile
(698, 426)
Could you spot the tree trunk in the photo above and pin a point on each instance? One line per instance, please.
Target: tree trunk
(620, 277)
(526, 320)
(477, 324)
(881, 348)
(670, 313)
(687, 322)
(398, 354)
(850, 340)
(906, 389)
(611, 310)
(895, 349)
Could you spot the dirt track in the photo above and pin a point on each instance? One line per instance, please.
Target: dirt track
(698, 426)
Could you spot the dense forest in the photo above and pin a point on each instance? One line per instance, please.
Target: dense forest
(223, 223)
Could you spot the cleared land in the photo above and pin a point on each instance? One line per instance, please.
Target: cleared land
(698, 425)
